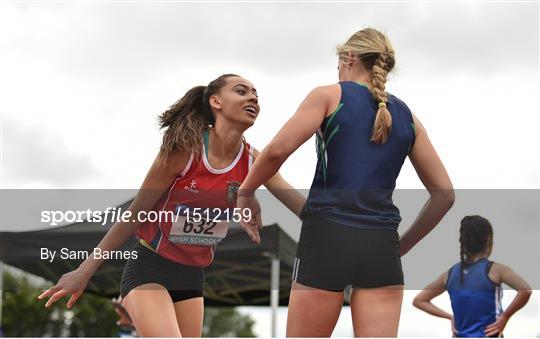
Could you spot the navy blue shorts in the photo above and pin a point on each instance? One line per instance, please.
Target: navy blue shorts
(331, 256)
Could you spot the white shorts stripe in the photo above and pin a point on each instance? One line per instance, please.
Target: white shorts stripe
(295, 269)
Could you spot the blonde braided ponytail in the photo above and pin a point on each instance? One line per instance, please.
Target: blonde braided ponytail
(377, 56)
(383, 120)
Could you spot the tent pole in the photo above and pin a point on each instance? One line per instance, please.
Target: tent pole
(1, 294)
(274, 294)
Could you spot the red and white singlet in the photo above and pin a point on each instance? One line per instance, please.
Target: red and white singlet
(200, 204)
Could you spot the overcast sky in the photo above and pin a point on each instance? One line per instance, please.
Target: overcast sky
(81, 84)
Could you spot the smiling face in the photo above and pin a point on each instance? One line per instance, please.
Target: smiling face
(237, 102)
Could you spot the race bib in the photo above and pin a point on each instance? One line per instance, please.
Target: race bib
(190, 229)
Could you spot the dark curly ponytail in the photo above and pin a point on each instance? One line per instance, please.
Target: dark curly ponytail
(475, 234)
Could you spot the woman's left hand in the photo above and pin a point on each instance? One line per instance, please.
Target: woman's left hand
(497, 327)
(254, 224)
(454, 330)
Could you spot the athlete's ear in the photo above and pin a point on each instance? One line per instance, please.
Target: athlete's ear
(350, 59)
(215, 102)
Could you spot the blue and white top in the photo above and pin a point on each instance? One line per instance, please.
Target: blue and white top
(476, 302)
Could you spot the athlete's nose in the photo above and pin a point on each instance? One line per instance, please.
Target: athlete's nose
(253, 98)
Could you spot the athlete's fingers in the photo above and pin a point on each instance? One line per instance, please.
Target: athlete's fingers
(55, 297)
(492, 325)
(249, 230)
(492, 332)
(45, 293)
(254, 233)
(250, 223)
(248, 220)
(258, 221)
(492, 329)
(453, 326)
(256, 225)
(257, 239)
(245, 225)
(49, 292)
(74, 297)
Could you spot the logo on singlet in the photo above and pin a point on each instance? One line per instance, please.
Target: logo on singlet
(232, 191)
(192, 187)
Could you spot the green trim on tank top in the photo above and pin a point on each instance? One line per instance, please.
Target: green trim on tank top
(331, 117)
(322, 144)
(334, 131)
(206, 139)
(414, 135)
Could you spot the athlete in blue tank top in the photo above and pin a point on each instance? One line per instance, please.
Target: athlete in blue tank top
(355, 177)
(474, 286)
(476, 299)
(348, 234)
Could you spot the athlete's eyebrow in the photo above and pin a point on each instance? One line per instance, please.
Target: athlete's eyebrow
(247, 88)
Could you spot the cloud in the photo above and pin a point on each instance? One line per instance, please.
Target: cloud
(37, 156)
(485, 38)
(126, 42)
(463, 69)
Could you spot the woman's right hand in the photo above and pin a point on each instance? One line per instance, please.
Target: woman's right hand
(252, 225)
(72, 283)
(161, 175)
(454, 330)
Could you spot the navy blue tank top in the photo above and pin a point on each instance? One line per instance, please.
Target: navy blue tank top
(476, 302)
(355, 177)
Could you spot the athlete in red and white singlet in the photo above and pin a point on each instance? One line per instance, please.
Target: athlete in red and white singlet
(162, 287)
(198, 186)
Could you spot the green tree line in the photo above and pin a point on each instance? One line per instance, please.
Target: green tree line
(24, 315)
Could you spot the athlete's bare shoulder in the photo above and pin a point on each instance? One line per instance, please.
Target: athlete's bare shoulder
(497, 271)
(328, 90)
(172, 163)
(331, 95)
(498, 267)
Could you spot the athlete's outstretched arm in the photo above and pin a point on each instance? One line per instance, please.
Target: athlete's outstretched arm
(433, 175)
(434, 289)
(157, 181)
(283, 191)
(512, 279)
(292, 135)
(300, 127)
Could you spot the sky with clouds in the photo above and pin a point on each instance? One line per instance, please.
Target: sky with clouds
(81, 84)
(84, 82)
